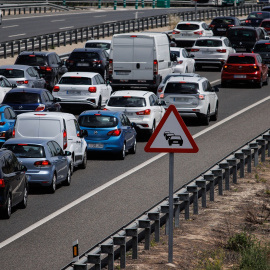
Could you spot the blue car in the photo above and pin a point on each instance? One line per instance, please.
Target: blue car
(47, 164)
(7, 122)
(108, 131)
(31, 99)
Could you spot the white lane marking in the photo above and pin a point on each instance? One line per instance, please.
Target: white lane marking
(15, 25)
(58, 20)
(17, 35)
(117, 179)
(100, 16)
(215, 81)
(67, 27)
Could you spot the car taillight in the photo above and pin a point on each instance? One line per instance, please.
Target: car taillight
(2, 123)
(160, 90)
(115, 132)
(256, 67)
(155, 67)
(180, 62)
(145, 112)
(211, 25)
(221, 50)
(201, 97)
(194, 50)
(2, 183)
(248, 21)
(224, 67)
(175, 32)
(3, 134)
(97, 61)
(40, 108)
(92, 89)
(56, 88)
(64, 139)
(110, 66)
(13, 133)
(22, 82)
(42, 163)
(161, 96)
(46, 68)
(104, 109)
(71, 62)
(198, 32)
(230, 25)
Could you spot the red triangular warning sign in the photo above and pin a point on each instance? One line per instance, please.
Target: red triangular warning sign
(171, 135)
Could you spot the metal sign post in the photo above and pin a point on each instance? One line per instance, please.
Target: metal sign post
(171, 180)
(195, 10)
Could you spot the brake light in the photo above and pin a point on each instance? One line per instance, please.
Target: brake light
(155, 67)
(64, 139)
(133, 36)
(194, 50)
(56, 88)
(97, 61)
(115, 132)
(224, 67)
(92, 89)
(161, 96)
(110, 66)
(198, 32)
(256, 67)
(221, 50)
(175, 32)
(40, 108)
(32, 55)
(42, 163)
(211, 25)
(104, 109)
(2, 123)
(248, 21)
(3, 134)
(22, 82)
(201, 97)
(46, 68)
(160, 90)
(180, 62)
(230, 25)
(13, 133)
(145, 112)
(2, 183)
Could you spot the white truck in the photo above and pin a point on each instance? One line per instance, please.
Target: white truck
(139, 60)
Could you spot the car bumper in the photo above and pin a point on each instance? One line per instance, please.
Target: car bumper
(248, 77)
(69, 103)
(42, 177)
(216, 62)
(111, 145)
(144, 123)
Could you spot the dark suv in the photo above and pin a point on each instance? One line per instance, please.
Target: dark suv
(262, 47)
(220, 25)
(13, 183)
(243, 38)
(48, 64)
(89, 59)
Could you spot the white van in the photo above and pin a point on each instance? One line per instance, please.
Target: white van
(60, 127)
(139, 60)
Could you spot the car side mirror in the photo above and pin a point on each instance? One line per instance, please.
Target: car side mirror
(67, 153)
(13, 85)
(191, 56)
(83, 133)
(23, 168)
(134, 125)
(215, 89)
(162, 103)
(56, 99)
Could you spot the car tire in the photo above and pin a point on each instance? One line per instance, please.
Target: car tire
(6, 210)
(122, 153)
(214, 117)
(84, 162)
(132, 150)
(72, 164)
(153, 128)
(23, 203)
(260, 83)
(205, 119)
(67, 181)
(52, 187)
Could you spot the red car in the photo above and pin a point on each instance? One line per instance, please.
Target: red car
(244, 67)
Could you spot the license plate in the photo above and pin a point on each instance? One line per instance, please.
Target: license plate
(186, 34)
(73, 92)
(241, 49)
(181, 99)
(206, 52)
(129, 113)
(240, 76)
(82, 64)
(221, 29)
(121, 73)
(95, 145)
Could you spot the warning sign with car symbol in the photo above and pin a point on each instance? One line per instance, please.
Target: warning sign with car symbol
(171, 135)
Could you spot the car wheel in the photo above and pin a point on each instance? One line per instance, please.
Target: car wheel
(52, 187)
(6, 210)
(67, 181)
(23, 203)
(215, 116)
(153, 128)
(84, 162)
(260, 83)
(205, 119)
(72, 165)
(132, 150)
(122, 153)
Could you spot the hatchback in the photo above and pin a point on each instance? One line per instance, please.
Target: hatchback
(31, 99)
(182, 61)
(108, 132)
(245, 68)
(220, 25)
(89, 59)
(13, 183)
(262, 47)
(47, 164)
(256, 17)
(23, 76)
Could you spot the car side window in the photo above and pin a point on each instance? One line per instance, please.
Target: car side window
(30, 72)
(10, 164)
(50, 96)
(151, 100)
(184, 53)
(101, 79)
(35, 72)
(7, 83)
(12, 113)
(52, 59)
(45, 97)
(259, 59)
(123, 120)
(77, 127)
(97, 80)
(7, 114)
(127, 120)
(155, 98)
(51, 149)
(59, 151)
(57, 58)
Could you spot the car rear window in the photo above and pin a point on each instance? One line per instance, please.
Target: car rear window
(266, 24)
(84, 55)
(127, 101)
(241, 60)
(105, 46)
(181, 88)
(188, 26)
(177, 53)
(208, 43)
(95, 121)
(26, 150)
(262, 47)
(22, 98)
(258, 15)
(75, 80)
(242, 34)
(223, 21)
(12, 73)
(31, 60)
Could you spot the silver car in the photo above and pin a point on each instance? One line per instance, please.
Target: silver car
(23, 76)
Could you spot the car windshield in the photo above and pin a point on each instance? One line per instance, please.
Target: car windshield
(26, 150)
(127, 101)
(31, 60)
(241, 34)
(98, 121)
(188, 26)
(12, 73)
(75, 80)
(208, 43)
(262, 47)
(105, 46)
(223, 21)
(84, 55)
(181, 88)
(241, 60)
(258, 15)
(22, 98)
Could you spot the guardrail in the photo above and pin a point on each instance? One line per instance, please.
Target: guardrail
(117, 244)
(108, 29)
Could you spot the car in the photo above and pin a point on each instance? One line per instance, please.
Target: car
(168, 134)
(104, 44)
(192, 96)
(175, 139)
(243, 38)
(108, 131)
(47, 164)
(48, 64)
(244, 68)
(141, 107)
(23, 76)
(7, 122)
(182, 61)
(256, 17)
(160, 87)
(265, 8)
(262, 47)
(90, 60)
(31, 99)
(211, 51)
(220, 25)
(186, 33)
(13, 183)
(5, 86)
(266, 25)
(82, 90)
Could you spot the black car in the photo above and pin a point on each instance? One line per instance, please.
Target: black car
(89, 59)
(220, 25)
(262, 47)
(256, 17)
(243, 38)
(13, 183)
(48, 64)
(31, 99)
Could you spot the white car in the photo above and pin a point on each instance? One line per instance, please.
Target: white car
(99, 43)
(5, 86)
(192, 95)
(182, 61)
(211, 51)
(77, 90)
(186, 33)
(141, 107)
